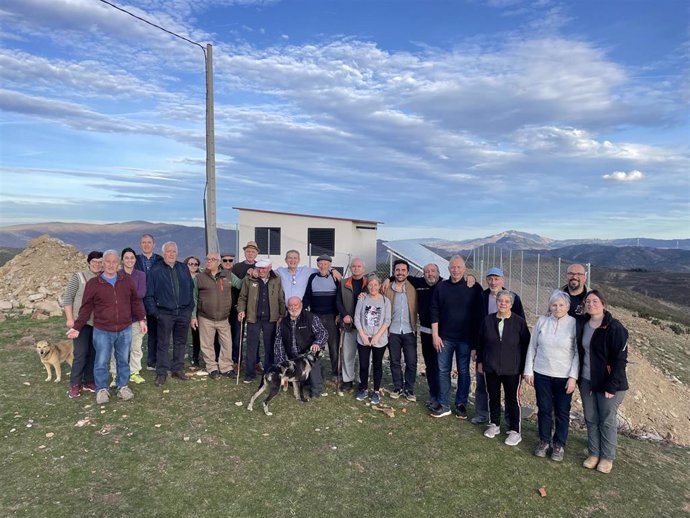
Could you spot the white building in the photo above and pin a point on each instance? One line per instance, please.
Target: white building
(277, 232)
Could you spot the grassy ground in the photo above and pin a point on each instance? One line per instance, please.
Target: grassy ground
(186, 449)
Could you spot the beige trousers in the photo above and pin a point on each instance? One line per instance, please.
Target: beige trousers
(207, 334)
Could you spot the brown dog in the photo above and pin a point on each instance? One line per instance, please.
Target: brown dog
(54, 354)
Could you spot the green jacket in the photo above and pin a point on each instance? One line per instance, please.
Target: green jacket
(249, 296)
(213, 295)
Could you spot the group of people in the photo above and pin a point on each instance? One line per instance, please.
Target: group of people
(294, 309)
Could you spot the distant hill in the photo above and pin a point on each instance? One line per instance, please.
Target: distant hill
(515, 240)
(627, 257)
(86, 237)
(7, 253)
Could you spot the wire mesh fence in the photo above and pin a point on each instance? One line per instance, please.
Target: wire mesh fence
(532, 275)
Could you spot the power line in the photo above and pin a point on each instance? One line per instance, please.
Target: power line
(154, 25)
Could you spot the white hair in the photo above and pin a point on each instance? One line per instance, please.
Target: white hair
(111, 252)
(169, 244)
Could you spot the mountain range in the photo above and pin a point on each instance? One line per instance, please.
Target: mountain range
(87, 237)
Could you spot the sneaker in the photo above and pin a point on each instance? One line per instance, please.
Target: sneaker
(248, 380)
(440, 412)
(395, 394)
(492, 431)
(461, 411)
(409, 396)
(433, 405)
(102, 397)
(160, 379)
(113, 382)
(514, 438)
(591, 462)
(136, 378)
(214, 375)
(479, 419)
(230, 374)
(541, 449)
(361, 395)
(557, 453)
(605, 466)
(89, 387)
(125, 393)
(375, 398)
(151, 367)
(74, 391)
(346, 386)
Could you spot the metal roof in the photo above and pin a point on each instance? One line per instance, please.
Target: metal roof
(371, 222)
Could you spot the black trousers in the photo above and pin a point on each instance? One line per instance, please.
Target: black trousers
(177, 325)
(328, 322)
(254, 332)
(84, 356)
(400, 345)
(365, 354)
(151, 340)
(511, 387)
(431, 365)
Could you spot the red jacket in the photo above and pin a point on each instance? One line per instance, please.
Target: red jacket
(114, 307)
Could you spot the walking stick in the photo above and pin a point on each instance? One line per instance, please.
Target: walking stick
(339, 373)
(239, 356)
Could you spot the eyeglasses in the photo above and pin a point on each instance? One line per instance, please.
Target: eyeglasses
(575, 274)
(193, 264)
(211, 259)
(228, 260)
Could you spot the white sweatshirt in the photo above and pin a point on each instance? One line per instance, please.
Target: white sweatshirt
(552, 349)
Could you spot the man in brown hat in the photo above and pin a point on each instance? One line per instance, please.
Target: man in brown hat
(241, 269)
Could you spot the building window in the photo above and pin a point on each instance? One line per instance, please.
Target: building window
(321, 241)
(268, 239)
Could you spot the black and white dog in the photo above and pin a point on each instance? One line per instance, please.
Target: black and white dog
(294, 371)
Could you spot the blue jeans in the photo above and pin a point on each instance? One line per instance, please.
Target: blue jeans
(461, 350)
(104, 342)
(552, 401)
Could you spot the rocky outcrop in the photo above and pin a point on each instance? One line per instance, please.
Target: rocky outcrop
(32, 283)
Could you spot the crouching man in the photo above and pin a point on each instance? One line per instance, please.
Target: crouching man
(299, 334)
(113, 299)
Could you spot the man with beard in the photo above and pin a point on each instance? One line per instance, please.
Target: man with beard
(576, 275)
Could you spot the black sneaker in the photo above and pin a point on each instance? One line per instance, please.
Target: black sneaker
(440, 412)
(230, 374)
(346, 386)
(214, 375)
(395, 394)
(409, 395)
(461, 412)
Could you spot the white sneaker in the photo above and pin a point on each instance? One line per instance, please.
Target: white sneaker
(492, 431)
(514, 438)
(102, 397)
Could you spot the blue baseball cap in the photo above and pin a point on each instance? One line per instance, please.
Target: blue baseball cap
(495, 271)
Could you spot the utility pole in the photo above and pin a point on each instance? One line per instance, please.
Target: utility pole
(210, 198)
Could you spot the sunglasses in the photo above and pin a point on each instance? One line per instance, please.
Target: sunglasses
(193, 264)
(228, 260)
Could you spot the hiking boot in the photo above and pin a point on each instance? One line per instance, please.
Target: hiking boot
(557, 453)
(102, 397)
(214, 375)
(375, 398)
(492, 431)
(89, 387)
(440, 412)
(541, 449)
(74, 391)
(409, 396)
(136, 378)
(395, 394)
(180, 375)
(605, 466)
(125, 393)
(160, 379)
(514, 438)
(479, 419)
(461, 411)
(591, 462)
(361, 395)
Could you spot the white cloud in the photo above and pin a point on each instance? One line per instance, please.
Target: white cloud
(621, 176)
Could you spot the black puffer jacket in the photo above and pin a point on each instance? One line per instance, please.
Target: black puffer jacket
(608, 354)
(505, 355)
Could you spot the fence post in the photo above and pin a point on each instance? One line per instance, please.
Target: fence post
(536, 302)
(558, 281)
(522, 264)
(589, 274)
(481, 270)
(501, 258)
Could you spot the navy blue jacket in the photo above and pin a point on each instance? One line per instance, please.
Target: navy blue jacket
(139, 264)
(160, 294)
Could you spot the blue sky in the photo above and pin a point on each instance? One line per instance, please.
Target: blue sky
(452, 119)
